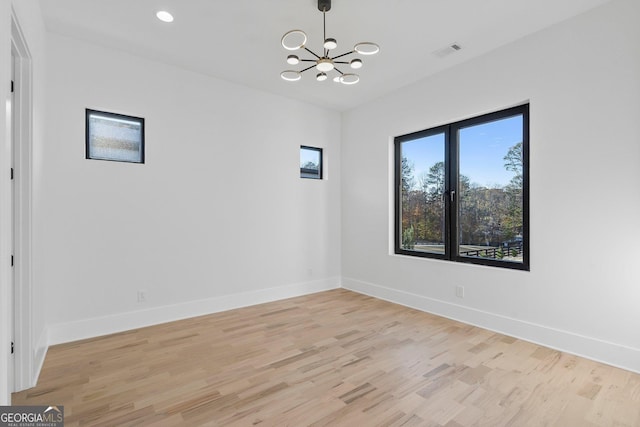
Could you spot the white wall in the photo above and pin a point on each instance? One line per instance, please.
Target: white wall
(582, 78)
(217, 217)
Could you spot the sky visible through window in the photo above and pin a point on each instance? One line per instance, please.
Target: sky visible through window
(482, 151)
(307, 156)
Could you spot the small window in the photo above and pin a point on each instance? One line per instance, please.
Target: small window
(310, 162)
(115, 137)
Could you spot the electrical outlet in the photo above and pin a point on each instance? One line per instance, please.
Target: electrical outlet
(142, 296)
(460, 291)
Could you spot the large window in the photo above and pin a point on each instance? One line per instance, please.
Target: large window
(462, 191)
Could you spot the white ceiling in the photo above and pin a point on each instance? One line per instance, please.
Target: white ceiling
(239, 40)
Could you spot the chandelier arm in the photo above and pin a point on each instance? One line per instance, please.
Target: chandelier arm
(340, 62)
(308, 68)
(312, 60)
(344, 54)
(338, 71)
(311, 52)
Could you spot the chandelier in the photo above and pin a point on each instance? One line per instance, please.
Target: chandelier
(297, 39)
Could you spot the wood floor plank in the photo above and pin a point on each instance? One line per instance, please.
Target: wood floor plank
(335, 358)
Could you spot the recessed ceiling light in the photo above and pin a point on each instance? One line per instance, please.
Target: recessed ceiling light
(164, 16)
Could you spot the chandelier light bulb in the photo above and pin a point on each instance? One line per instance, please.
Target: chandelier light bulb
(367, 48)
(336, 79)
(324, 65)
(356, 63)
(349, 79)
(294, 40)
(321, 77)
(293, 60)
(291, 75)
(330, 43)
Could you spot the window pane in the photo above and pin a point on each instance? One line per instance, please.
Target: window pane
(310, 162)
(490, 190)
(422, 186)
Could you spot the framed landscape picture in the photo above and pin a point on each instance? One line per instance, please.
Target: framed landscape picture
(114, 137)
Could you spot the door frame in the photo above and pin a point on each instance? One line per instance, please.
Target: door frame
(24, 356)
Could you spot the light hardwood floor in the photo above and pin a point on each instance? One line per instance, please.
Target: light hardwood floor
(335, 358)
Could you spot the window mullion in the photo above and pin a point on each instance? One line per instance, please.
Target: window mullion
(452, 192)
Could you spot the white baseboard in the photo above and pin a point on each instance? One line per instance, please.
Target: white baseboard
(98, 326)
(591, 348)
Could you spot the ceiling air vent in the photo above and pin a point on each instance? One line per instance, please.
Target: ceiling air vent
(452, 48)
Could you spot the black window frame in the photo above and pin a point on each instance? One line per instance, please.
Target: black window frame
(320, 163)
(140, 120)
(451, 185)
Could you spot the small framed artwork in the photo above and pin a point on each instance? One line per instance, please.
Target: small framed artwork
(114, 137)
(310, 162)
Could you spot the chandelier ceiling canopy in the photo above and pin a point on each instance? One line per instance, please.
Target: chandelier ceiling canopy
(326, 62)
